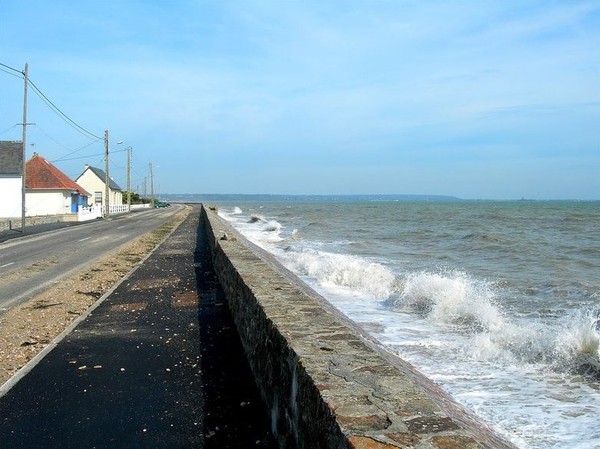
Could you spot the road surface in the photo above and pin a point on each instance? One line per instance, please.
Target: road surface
(30, 264)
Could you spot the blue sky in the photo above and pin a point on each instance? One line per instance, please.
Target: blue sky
(476, 99)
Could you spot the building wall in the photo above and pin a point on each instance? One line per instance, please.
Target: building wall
(90, 182)
(10, 196)
(47, 203)
(116, 198)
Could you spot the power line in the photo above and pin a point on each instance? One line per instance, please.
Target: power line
(50, 104)
(52, 138)
(10, 73)
(78, 157)
(11, 68)
(62, 114)
(8, 129)
(65, 158)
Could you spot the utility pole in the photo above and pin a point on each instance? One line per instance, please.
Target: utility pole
(24, 156)
(151, 186)
(106, 177)
(144, 190)
(129, 179)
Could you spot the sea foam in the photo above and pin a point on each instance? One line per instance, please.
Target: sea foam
(453, 299)
(353, 273)
(469, 307)
(496, 330)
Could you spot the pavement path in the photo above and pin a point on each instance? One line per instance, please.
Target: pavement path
(158, 364)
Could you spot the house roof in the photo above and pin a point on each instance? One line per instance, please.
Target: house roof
(102, 175)
(11, 157)
(41, 174)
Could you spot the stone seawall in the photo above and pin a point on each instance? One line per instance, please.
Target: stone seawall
(326, 383)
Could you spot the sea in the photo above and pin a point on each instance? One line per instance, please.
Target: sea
(498, 302)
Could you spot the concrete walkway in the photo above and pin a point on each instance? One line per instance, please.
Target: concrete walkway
(157, 365)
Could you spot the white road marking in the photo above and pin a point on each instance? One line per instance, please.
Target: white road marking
(6, 264)
(84, 239)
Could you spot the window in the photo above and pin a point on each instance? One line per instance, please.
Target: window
(97, 197)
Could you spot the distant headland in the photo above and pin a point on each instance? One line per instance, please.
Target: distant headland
(229, 197)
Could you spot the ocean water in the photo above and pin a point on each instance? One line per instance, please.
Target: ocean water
(497, 302)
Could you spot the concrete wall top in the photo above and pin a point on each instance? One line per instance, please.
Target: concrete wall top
(327, 383)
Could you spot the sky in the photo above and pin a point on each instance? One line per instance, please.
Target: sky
(476, 99)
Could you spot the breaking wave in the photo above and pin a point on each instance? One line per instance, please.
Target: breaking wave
(577, 344)
(463, 305)
(344, 271)
(468, 306)
(453, 301)
(515, 341)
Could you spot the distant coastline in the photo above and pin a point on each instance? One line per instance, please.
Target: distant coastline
(261, 197)
(227, 197)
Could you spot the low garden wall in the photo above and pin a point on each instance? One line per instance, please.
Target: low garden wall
(7, 224)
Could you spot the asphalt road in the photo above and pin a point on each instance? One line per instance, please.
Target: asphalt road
(30, 264)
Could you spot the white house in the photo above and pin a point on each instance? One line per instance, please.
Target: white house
(48, 191)
(11, 180)
(93, 180)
